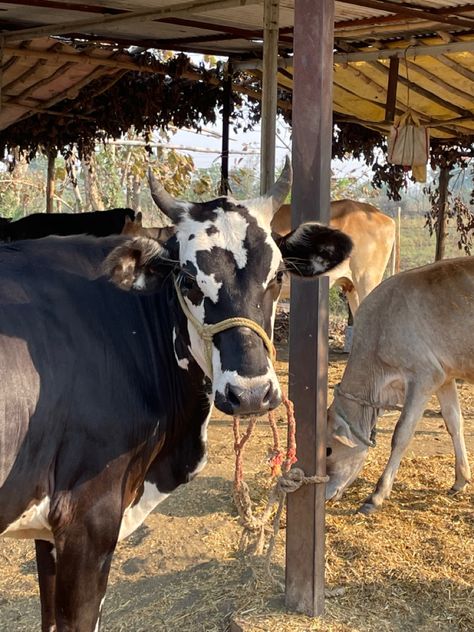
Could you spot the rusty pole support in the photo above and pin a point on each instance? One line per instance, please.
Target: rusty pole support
(312, 138)
(269, 94)
(391, 104)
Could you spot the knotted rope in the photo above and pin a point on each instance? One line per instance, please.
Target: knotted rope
(207, 332)
(289, 480)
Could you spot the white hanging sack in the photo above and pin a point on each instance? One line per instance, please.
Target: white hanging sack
(409, 142)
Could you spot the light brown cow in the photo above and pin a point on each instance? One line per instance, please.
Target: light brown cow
(373, 236)
(413, 337)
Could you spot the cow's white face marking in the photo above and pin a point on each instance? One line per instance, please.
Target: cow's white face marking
(134, 515)
(33, 523)
(227, 232)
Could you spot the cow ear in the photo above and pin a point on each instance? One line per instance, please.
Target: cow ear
(139, 264)
(342, 432)
(313, 249)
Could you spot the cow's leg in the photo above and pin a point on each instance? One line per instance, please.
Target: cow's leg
(84, 553)
(451, 411)
(415, 404)
(353, 301)
(46, 565)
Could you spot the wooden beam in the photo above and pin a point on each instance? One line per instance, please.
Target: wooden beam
(391, 102)
(126, 17)
(374, 55)
(63, 6)
(237, 32)
(408, 51)
(312, 138)
(269, 94)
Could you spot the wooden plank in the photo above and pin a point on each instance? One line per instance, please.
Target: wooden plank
(269, 94)
(312, 136)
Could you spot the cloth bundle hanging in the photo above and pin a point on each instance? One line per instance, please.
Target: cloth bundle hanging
(409, 145)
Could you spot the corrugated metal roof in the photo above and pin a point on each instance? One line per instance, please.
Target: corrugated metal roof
(440, 85)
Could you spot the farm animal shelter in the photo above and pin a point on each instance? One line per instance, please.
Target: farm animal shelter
(364, 63)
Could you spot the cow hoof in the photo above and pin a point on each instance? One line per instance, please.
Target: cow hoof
(367, 509)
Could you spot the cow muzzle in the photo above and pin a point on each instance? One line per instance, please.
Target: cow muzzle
(257, 395)
(249, 400)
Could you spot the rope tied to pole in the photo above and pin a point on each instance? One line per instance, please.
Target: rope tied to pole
(290, 479)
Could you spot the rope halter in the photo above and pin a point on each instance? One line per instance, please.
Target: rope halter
(207, 332)
(370, 442)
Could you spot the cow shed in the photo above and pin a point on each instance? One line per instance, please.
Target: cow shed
(355, 63)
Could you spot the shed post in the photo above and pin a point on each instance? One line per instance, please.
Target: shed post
(442, 227)
(312, 137)
(269, 94)
(226, 113)
(50, 181)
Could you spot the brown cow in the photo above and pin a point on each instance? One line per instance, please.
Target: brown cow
(135, 228)
(373, 236)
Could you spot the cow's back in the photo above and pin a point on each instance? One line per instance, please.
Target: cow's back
(96, 223)
(421, 319)
(372, 233)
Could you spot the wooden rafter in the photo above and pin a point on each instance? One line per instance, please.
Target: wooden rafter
(126, 17)
(388, 19)
(413, 11)
(65, 6)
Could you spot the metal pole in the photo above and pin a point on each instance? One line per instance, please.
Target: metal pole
(312, 137)
(269, 94)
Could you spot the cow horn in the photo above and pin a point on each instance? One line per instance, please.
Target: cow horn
(282, 186)
(164, 201)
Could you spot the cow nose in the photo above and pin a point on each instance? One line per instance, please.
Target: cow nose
(254, 400)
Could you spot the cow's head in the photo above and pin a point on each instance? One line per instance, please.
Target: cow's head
(229, 265)
(348, 439)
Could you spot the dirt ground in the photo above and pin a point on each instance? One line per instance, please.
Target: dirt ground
(409, 567)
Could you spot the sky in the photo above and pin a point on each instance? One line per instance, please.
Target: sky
(245, 145)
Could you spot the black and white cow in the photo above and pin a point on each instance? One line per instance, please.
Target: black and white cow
(107, 387)
(39, 225)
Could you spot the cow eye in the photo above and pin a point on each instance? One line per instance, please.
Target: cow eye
(279, 276)
(186, 282)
